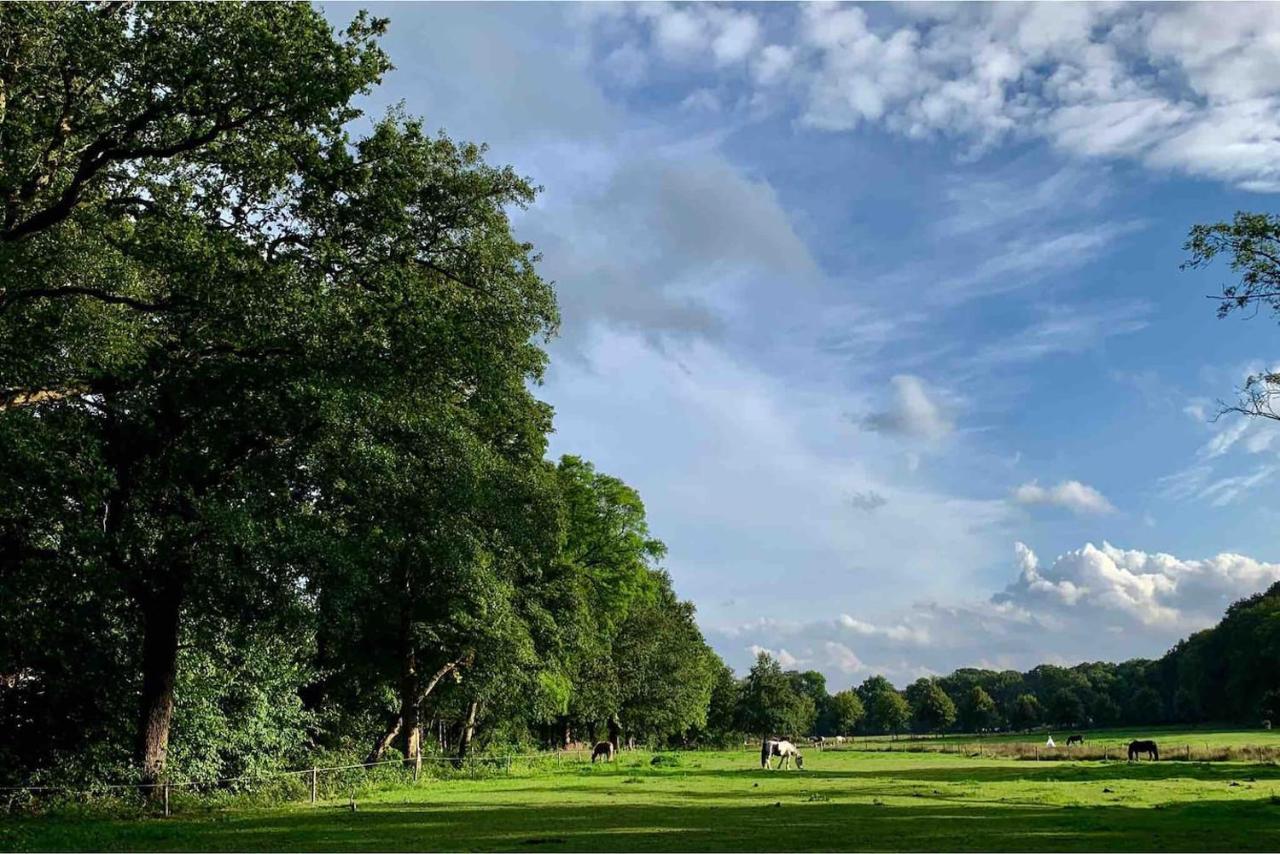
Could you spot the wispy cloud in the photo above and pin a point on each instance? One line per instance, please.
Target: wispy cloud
(1079, 498)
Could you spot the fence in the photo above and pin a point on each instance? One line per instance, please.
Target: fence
(314, 782)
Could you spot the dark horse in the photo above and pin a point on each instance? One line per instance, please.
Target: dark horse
(1075, 739)
(604, 750)
(1147, 747)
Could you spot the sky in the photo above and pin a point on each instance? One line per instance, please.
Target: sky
(880, 307)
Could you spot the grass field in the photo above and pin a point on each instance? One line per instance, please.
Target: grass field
(722, 801)
(1171, 735)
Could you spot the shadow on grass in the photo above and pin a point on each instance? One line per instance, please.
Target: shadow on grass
(760, 826)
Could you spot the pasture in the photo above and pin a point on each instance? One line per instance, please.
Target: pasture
(722, 801)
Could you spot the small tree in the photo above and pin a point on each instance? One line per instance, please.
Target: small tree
(890, 711)
(1145, 706)
(769, 703)
(1025, 712)
(1065, 708)
(845, 712)
(931, 709)
(980, 711)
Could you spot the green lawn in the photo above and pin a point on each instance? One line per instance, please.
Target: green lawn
(1173, 736)
(722, 801)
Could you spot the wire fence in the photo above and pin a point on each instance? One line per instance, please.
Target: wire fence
(316, 780)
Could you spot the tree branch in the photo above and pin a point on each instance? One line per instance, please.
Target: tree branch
(7, 299)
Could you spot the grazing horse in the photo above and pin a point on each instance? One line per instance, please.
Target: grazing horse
(603, 749)
(782, 748)
(1147, 747)
(839, 739)
(1075, 739)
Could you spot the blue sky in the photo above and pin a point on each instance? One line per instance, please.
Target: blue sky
(880, 309)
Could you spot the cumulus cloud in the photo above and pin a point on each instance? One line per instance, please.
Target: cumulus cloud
(1088, 604)
(1072, 495)
(720, 34)
(1188, 87)
(912, 412)
(1152, 589)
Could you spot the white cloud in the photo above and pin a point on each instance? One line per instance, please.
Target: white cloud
(1089, 604)
(701, 100)
(772, 64)
(737, 36)
(1193, 88)
(786, 659)
(842, 658)
(723, 35)
(912, 412)
(1072, 495)
(900, 632)
(1153, 589)
(627, 64)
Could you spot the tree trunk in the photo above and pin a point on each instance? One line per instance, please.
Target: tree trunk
(410, 736)
(389, 733)
(160, 618)
(394, 725)
(468, 731)
(615, 732)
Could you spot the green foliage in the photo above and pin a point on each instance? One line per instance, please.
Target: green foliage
(1251, 245)
(665, 670)
(931, 709)
(979, 711)
(1065, 708)
(272, 455)
(888, 711)
(770, 705)
(1025, 712)
(846, 712)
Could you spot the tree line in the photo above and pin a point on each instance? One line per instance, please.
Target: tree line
(274, 473)
(1226, 674)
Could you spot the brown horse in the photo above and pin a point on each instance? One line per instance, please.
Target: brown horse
(1147, 747)
(603, 750)
(1075, 739)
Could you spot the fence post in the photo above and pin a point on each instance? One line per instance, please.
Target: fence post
(417, 765)
(1106, 751)
(1037, 753)
(1188, 753)
(166, 800)
(313, 785)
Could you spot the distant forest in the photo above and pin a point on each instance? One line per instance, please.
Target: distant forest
(1227, 674)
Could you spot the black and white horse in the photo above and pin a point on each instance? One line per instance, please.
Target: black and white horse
(781, 748)
(603, 750)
